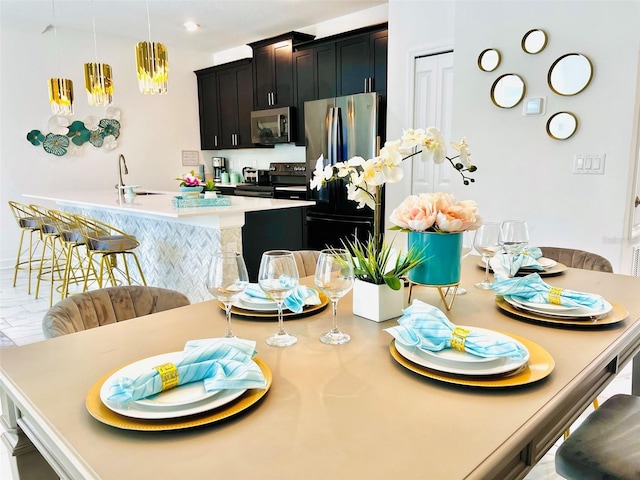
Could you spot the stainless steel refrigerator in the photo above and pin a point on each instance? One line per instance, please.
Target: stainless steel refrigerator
(340, 128)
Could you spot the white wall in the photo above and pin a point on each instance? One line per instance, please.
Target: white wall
(522, 172)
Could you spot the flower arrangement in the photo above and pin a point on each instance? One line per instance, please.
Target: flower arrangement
(435, 212)
(189, 180)
(364, 178)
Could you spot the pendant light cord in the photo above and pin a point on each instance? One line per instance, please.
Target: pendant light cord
(148, 21)
(95, 42)
(55, 36)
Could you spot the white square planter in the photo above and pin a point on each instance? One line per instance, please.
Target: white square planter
(377, 302)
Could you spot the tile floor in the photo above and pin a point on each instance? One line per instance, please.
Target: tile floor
(20, 324)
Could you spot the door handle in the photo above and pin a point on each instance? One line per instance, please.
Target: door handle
(637, 201)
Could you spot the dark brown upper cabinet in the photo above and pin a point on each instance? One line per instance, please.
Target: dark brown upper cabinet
(362, 63)
(273, 70)
(225, 103)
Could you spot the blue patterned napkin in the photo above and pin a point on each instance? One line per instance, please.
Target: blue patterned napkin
(528, 258)
(533, 289)
(295, 301)
(426, 327)
(223, 363)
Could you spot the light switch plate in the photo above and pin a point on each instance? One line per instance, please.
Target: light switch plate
(589, 163)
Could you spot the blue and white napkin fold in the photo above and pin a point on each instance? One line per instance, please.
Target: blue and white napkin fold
(295, 301)
(533, 289)
(528, 258)
(427, 327)
(223, 363)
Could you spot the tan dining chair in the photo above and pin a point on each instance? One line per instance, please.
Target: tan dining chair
(574, 258)
(306, 261)
(106, 306)
(606, 445)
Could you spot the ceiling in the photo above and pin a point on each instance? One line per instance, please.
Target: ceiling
(224, 23)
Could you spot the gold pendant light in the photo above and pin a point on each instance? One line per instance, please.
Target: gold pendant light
(60, 89)
(152, 63)
(61, 96)
(97, 76)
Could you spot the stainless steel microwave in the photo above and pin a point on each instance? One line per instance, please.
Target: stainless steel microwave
(272, 126)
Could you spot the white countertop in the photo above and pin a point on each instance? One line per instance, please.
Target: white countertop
(161, 204)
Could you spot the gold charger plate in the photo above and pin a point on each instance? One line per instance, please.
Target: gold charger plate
(618, 314)
(103, 414)
(539, 366)
(270, 314)
(557, 269)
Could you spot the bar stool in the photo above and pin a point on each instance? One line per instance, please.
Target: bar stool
(49, 264)
(107, 242)
(606, 445)
(73, 257)
(29, 224)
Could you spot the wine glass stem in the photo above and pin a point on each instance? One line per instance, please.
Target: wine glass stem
(281, 330)
(229, 332)
(334, 308)
(486, 269)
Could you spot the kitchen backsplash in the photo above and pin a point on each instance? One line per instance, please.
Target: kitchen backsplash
(255, 157)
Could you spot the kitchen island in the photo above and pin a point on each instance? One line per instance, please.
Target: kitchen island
(175, 243)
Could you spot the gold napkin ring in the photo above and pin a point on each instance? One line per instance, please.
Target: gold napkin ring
(554, 295)
(458, 337)
(169, 375)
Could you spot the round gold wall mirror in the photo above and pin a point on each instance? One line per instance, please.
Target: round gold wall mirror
(507, 90)
(534, 41)
(488, 60)
(570, 74)
(562, 125)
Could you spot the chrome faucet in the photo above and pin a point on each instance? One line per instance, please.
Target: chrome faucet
(121, 161)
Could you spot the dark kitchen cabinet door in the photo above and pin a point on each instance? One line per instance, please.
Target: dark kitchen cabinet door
(362, 64)
(208, 109)
(314, 73)
(281, 229)
(235, 101)
(273, 75)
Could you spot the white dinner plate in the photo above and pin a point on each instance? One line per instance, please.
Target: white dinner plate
(181, 401)
(543, 262)
(256, 307)
(542, 309)
(445, 361)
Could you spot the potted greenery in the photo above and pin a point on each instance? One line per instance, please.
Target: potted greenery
(375, 269)
(210, 189)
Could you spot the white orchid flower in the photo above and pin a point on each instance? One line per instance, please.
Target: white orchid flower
(463, 150)
(59, 125)
(433, 146)
(113, 112)
(318, 174)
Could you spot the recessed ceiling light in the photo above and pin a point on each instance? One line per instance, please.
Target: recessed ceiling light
(191, 26)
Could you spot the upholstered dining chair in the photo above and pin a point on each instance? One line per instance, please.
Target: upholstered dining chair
(106, 306)
(606, 445)
(577, 258)
(306, 261)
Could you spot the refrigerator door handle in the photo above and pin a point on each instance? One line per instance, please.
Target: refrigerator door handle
(333, 135)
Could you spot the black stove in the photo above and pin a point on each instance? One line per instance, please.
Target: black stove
(286, 180)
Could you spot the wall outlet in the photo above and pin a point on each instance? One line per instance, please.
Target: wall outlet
(589, 163)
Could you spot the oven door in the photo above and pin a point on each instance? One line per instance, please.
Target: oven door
(254, 191)
(329, 230)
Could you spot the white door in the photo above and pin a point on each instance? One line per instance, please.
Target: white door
(432, 106)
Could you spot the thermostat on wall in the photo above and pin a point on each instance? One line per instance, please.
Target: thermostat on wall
(533, 106)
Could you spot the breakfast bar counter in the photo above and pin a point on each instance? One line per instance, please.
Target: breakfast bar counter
(174, 242)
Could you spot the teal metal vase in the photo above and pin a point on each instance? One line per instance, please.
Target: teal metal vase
(443, 252)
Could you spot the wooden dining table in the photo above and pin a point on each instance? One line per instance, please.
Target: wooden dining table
(344, 412)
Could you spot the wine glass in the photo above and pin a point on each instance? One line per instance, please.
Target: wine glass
(467, 247)
(515, 238)
(334, 276)
(487, 241)
(277, 277)
(227, 280)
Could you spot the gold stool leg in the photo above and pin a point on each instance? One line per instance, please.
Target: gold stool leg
(15, 273)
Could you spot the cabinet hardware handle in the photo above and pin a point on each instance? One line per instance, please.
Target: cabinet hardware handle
(215, 140)
(370, 84)
(365, 85)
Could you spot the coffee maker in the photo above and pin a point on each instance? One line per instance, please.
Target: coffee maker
(219, 165)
